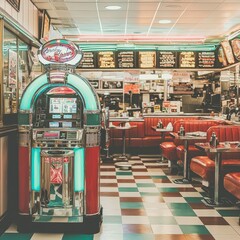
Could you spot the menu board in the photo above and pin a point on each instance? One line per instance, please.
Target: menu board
(147, 59)
(228, 51)
(106, 59)
(89, 60)
(167, 59)
(187, 60)
(222, 57)
(206, 59)
(126, 59)
(236, 48)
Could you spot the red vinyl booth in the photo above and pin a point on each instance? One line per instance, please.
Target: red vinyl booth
(204, 166)
(174, 151)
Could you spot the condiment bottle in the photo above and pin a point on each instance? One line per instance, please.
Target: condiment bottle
(181, 131)
(214, 140)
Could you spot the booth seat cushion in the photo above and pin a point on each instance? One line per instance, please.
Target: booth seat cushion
(232, 183)
(130, 142)
(192, 152)
(169, 150)
(204, 167)
(152, 141)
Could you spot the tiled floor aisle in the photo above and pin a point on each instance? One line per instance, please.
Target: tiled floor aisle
(143, 204)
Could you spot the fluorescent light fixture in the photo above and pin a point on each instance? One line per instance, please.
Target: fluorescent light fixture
(164, 21)
(233, 35)
(113, 7)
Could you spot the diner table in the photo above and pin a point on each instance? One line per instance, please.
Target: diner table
(122, 160)
(222, 147)
(186, 163)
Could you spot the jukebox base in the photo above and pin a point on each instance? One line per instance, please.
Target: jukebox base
(90, 225)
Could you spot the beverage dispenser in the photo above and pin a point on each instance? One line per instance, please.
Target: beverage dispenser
(59, 147)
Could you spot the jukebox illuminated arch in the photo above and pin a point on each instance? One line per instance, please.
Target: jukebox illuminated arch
(76, 82)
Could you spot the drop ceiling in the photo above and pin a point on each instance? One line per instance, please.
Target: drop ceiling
(206, 21)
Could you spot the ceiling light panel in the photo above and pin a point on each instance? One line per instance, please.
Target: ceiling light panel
(201, 6)
(82, 7)
(168, 14)
(45, 6)
(143, 6)
(229, 6)
(190, 1)
(113, 7)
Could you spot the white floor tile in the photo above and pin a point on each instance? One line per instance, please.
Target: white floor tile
(221, 230)
(158, 212)
(135, 220)
(111, 228)
(41, 236)
(206, 213)
(158, 205)
(166, 229)
(127, 185)
(108, 189)
(233, 221)
(224, 237)
(112, 212)
(108, 236)
(174, 199)
(188, 220)
(148, 189)
(190, 194)
(143, 180)
(129, 194)
(12, 229)
(103, 180)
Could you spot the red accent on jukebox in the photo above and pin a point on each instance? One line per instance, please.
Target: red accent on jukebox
(92, 179)
(23, 171)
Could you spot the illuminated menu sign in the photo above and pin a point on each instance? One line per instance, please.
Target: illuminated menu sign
(187, 60)
(147, 59)
(206, 59)
(89, 60)
(166, 59)
(126, 59)
(106, 59)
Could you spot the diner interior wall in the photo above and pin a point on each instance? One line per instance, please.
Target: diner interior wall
(27, 17)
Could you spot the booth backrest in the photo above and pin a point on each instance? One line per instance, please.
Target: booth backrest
(226, 133)
(196, 125)
(153, 121)
(193, 126)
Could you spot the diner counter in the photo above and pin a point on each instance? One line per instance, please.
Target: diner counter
(181, 114)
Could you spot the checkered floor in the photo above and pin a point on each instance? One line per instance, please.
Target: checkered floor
(144, 204)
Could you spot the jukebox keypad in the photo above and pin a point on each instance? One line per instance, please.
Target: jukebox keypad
(55, 138)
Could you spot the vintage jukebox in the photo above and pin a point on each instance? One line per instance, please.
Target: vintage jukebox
(59, 152)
